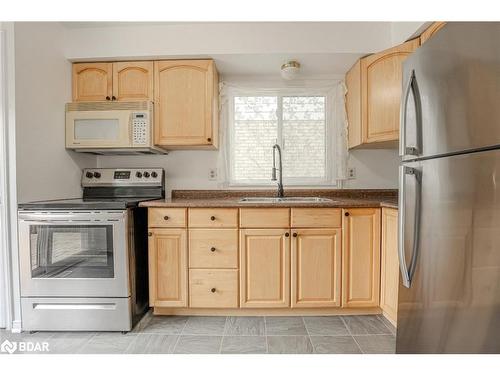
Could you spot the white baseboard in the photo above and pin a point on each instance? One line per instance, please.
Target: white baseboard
(16, 326)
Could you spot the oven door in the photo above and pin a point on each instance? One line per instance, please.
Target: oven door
(73, 254)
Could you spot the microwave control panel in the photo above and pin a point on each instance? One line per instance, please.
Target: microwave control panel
(140, 128)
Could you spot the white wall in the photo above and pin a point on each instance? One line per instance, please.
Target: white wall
(45, 169)
(375, 169)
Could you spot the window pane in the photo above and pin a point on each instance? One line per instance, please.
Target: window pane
(304, 137)
(255, 132)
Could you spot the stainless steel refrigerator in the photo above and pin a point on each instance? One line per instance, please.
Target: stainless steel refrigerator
(449, 219)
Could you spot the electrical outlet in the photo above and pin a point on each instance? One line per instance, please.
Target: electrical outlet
(351, 173)
(212, 174)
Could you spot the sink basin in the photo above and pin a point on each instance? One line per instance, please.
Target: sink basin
(284, 200)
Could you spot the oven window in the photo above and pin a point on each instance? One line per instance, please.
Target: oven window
(71, 252)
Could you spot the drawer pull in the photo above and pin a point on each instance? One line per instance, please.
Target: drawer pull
(165, 217)
(295, 234)
(212, 218)
(346, 214)
(287, 234)
(150, 234)
(213, 290)
(212, 249)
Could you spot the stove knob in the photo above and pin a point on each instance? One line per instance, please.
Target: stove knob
(154, 174)
(97, 175)
(138, 174)
(89, 175)
(146, 174)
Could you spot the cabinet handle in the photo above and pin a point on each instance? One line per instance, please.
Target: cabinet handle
(213, 290)
(346, 214)
(212, 218)
(209, 139)
(287, 234)
(108, 98)
(150, 234)
(165, 217)
(113, 97)
(295, 234)
(212, 249)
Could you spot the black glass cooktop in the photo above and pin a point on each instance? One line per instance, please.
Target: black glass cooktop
(83, 204)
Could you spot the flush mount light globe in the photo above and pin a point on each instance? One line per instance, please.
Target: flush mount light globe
(290, 70)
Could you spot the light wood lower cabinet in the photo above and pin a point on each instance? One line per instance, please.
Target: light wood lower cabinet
(361, 257)
(167, 267)
(264, 268)
(389, 278)
(316, 267)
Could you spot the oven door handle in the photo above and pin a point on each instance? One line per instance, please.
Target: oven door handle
(71, 217)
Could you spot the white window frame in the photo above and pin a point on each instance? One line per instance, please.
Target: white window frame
(330, 163)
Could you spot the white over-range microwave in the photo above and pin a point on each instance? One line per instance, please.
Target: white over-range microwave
(111, 128)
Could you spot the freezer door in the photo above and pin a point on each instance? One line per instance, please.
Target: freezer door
(449, 297)
(451, 91)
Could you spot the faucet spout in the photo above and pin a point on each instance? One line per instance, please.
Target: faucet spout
(281, 192)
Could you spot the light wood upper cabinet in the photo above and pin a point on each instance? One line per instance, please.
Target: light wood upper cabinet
(186, 103)
(168, 275)
(374, 96)
(92, 81)
(389, 278)
(430, 31)
(122, 81)
(133, 81)
(361, 257)
(264, 268)
(316, 267)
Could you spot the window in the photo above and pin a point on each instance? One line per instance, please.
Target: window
(298, 123)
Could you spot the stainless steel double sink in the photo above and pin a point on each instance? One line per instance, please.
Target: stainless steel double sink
(285, 200)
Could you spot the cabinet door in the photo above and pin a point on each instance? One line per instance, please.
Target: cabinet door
(168, 267)
(316, 268)
(381, 81)
(264, 268)
(186, 93)
(92, 81)
(361, 257)
(133, 80)
(430, 31)
(389, 278)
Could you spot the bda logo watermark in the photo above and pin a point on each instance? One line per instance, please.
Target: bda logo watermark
(22, 346)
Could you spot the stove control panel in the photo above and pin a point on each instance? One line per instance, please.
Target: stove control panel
(122, 177)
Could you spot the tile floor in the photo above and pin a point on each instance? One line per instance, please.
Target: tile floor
(232, 335)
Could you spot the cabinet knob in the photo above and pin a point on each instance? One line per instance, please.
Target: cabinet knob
(113, 97)
(346, 214)
(287, 234)
(165, 217)
(213, 290)
(212, 249)
(108, 98)
(150, 234)
(212, 218)
(209, 139)
(295, 234)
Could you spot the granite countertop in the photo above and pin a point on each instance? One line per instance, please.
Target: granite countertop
(341, 198)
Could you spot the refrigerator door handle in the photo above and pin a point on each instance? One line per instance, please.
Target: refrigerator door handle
(403, 149)
(408, 272)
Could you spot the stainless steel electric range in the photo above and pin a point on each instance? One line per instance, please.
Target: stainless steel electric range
(84, 262)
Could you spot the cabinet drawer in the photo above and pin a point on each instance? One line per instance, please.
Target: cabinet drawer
(167, 217)
(213, 288)
(213, 248)
(264, 217)
(213, 217)
(316, 218)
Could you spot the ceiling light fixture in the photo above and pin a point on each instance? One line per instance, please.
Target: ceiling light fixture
(290, 70)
